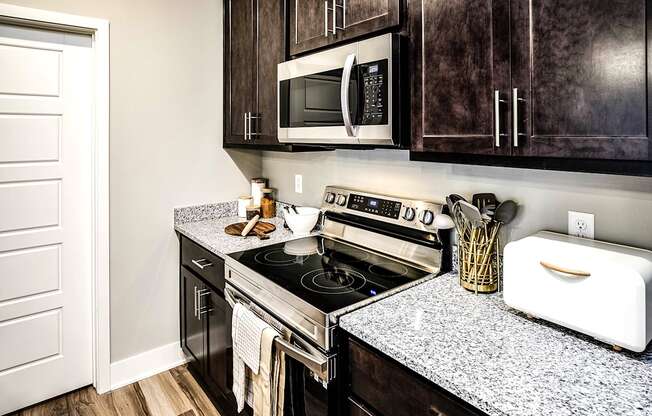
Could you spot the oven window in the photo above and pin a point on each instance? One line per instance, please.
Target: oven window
(314, 100)
(304, 396)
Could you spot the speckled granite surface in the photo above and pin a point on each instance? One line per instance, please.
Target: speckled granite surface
(205, 212)
(498, 360)
(211, 235)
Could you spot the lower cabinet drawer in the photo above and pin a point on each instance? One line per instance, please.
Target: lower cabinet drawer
(202, 262)
(392, 390)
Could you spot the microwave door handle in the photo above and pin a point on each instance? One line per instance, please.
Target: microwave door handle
(351, 130)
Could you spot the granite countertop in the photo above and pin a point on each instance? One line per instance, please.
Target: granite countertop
(497, 359)
(205, 225)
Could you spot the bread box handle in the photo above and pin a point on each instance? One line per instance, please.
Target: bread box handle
(569, 272)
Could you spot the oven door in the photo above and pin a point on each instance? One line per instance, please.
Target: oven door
(339, 96)
(310, 386)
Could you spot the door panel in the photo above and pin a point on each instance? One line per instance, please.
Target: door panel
(308, 21)
(219, 367)
(460, 56)
(29, 271)
(239, 68)
(29, 138)
(30, 339)
(192, 328)
(270, 51)
(581, 69)
(46, 125)
(363, 17)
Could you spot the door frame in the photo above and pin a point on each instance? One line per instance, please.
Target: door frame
(99, 30)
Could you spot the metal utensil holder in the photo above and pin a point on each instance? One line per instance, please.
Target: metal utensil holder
(478, 253)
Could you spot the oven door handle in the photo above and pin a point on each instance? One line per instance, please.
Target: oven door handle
(351, 130)
(307, 355)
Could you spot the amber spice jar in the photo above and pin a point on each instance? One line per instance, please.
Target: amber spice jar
(267, 203)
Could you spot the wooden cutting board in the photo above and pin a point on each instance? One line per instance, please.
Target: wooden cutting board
(261, 227)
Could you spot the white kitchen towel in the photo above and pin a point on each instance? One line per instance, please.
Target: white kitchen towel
(247, 331)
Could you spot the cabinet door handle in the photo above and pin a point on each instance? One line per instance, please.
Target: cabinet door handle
(202, 309)
(497, 133)
(326, 18)
(515, 102)
(334, 10)
(200, 263)
(195, 301)
(245, 126)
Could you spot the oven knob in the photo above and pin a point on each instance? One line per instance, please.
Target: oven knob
(330, 198)
(341, 200)
(408, 214)
(426, 217)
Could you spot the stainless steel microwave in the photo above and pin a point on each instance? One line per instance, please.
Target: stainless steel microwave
(345, 96)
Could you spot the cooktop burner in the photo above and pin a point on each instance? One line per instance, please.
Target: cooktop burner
(333, 282)
(326, 273)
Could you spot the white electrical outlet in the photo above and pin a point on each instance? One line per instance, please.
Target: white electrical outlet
(581, 224)
(298, 184)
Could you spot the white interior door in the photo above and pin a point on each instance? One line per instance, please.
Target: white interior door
(46, 122)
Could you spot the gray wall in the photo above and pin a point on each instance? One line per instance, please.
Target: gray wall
(166, 129)
(622, 205)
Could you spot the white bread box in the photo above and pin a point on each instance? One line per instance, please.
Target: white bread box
(601, 289)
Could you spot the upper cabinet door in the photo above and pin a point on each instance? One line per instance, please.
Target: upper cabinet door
(270, 51)
(239, 64)
(459, 59)
(362, 17)
(580, 70)
(310, 25)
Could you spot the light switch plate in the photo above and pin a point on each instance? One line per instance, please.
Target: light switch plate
(581, 224)
(298, 184)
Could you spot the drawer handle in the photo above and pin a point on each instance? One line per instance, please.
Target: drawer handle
(570, 272)
(200, 263)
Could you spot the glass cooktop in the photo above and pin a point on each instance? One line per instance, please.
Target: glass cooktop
(328, 274)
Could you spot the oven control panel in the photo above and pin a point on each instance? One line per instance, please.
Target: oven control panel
(377, 206)
(410, 213)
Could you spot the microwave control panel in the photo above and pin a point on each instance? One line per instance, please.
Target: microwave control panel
(373, 78)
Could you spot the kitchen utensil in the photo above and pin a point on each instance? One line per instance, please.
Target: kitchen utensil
(250, 225)
(302, 220)
(261, 227)
(481, 200)
(472, 213)
(452, 199)
(294, 209)
(601, 289)
(506, 212)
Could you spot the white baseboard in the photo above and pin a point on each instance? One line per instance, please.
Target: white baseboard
(146, 364)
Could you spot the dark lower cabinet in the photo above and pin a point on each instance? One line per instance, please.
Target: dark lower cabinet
(219, 353)
(379, 386)
(205, 319)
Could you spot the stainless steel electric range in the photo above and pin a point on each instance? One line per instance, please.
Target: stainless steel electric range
(370, 247)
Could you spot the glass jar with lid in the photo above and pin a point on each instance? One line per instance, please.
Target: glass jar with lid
(267, 203)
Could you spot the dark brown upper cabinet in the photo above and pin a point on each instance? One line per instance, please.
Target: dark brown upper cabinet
(459, 59)
(579, 73)
(571, 77)
(318, 23)
(254, 46)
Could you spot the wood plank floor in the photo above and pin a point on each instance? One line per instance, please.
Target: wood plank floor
(172, 393)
